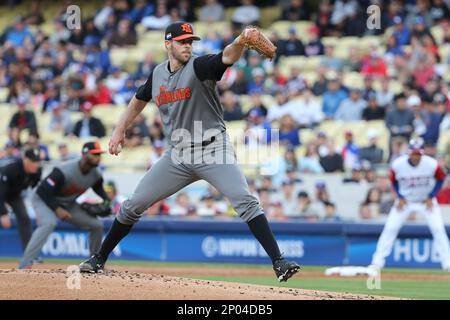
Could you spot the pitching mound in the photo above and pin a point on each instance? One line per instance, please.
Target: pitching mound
(57, 283)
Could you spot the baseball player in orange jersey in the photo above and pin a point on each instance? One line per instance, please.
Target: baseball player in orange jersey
(184, 90)
(416, 179)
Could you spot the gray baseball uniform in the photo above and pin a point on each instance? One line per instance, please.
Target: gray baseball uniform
(60, 189)
(199, 147)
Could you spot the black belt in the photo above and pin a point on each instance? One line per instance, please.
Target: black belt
(207, 142)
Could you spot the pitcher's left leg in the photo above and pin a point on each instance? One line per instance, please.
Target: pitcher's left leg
(231, 182)
(437, 228)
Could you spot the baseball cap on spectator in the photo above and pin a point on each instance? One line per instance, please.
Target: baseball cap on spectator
(33, 154)
(348, 133)
(276, 204)
(413, 101)
(92, 147)
(54, 106)
(314, 29)
(255, 113)
(86, 106)
(398, 20)
(158, 144)
(288, 182)
(302, 194)
(180, 31)
(320, 185)
(21, 101)
(114, 69)
(91, 41)
(356, 167)
(258, 72)
(10, 144)
(371, 95)
(292, 30)
(321, 134)
(399, 96)
(419, 20)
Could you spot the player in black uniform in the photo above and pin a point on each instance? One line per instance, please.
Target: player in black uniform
(15, 177)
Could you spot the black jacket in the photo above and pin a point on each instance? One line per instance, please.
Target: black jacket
(13, 180)
(96, 128)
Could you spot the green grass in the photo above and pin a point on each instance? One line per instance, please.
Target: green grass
(413, 289)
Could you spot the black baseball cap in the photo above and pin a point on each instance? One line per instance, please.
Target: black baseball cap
(92, 147)
(180, 31)
(33, 154)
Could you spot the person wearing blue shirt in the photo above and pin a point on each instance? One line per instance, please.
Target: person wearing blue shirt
(332, 99)
(19, 33)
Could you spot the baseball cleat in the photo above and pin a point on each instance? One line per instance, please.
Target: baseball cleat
(95, 264)
(285, 269)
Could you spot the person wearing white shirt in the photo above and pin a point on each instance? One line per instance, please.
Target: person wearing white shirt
(277, 110)
(307, 111)
(246, 14)
(351, 109)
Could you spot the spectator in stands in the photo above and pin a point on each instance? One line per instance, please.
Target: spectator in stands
(186, 11)
(350, 151)
(231, 107)
(23, 119)
(353, 62)
(370, 208)
(321, 84)
(323, 18)
(61, 33)
(321, 192)
(88, 126)
(431, 117)
(393, 50)
(332, 99)
(310, 162)
(9, 153)
(330, 61)
(398, 147)
(209, 207)
(401, 32)
(35, 17)
(331, 161)
(373, 111)
(307, 111)
(158, 148)
(357, 175)
(282, 164)
(372, 152)
(400, 120)
(34, 142)
(439, 11)
(292, 46)
(124, 36)
(162, 208)
(443, 196)
(114, 196)
(331, 214)
(257, 104)
(18, 33)
(288, 198)
(212, 11)
(14, 137)
(137, 132)
(116, 81)
(306, 208)
(279, 108)
(368, 88)
(420, 15)
(385, 96)
(265, 199)
(289, 134)
(145, 67)
(296, 83)
(276, 81)
(351, 109)
(210, 44)
(424, 71)
(239, 85)
(257, 131)
(156, 131)
(297, 10)
(160, 20)
(102, 94)
(140, 10)
(373, 65)
(60, 120)
(64, 152)
(314, 47)
(183, 205)
(18, 88)
(246, 14)
(126, 93)
(256, 85)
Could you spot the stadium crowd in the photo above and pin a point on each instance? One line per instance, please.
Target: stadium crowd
(70, 71)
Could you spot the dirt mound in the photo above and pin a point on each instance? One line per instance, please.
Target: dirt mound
(57, 283)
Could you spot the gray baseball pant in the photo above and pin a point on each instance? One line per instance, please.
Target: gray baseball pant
(23, 220)
(167, 176)
(46, 223)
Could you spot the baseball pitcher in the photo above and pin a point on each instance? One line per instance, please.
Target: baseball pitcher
(416, 179)
(184, 90)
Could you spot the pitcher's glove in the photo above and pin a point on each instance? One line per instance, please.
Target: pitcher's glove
(254, 39)
(97, 209)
